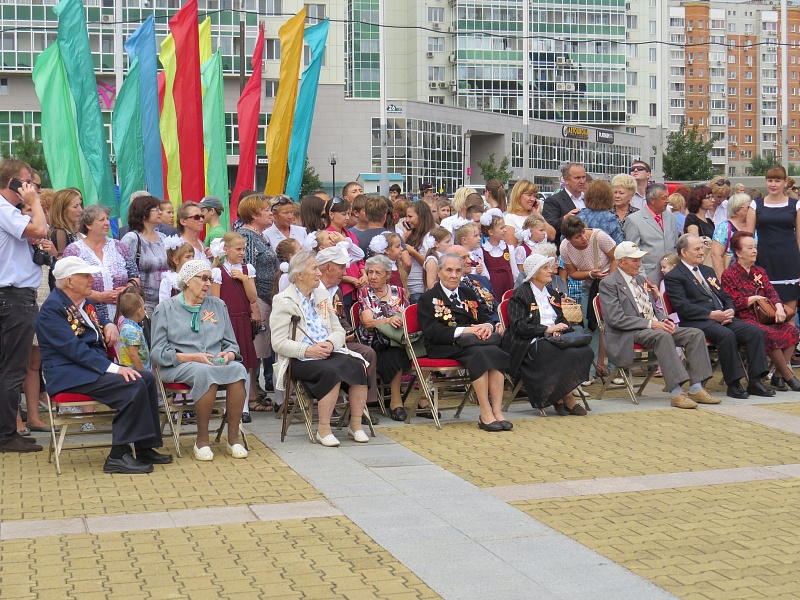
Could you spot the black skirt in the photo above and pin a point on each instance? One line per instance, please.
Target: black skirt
(476, 359)
(550, 373)
(390, 361)
(321, 376)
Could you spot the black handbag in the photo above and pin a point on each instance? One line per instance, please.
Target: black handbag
(467, 340)
(571, 339)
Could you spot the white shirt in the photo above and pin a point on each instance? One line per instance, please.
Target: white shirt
(17, 268)
(697, 274)
(720, 215)
(547, 314)
(449, 293)
(497, 252)
(579, 203)
(274, 236)
(632, 286)
(113, 367)
(638, 201)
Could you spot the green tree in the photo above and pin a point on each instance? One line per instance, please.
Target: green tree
(491, 170)
(687, 156)
(759, 165)
(29, 149)
(311, 181)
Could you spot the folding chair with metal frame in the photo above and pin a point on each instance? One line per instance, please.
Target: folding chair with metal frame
(642, 357)
(423, 367)
(355, 320)
(174, 411)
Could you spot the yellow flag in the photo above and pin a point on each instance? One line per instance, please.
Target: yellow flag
(205, 40)
(279, 131)
(168, 124)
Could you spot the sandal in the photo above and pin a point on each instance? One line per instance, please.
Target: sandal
(601, 371)
(261, 406)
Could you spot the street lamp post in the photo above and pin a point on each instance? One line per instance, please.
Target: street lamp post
(332, 160)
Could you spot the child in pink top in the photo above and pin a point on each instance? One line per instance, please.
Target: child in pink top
(355, 276)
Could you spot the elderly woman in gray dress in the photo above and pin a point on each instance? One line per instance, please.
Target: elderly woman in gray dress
(194, 344)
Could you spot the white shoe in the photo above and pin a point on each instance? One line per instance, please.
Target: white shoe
(618, 381)
(358, 435)
(329, 440)
(204, 453)
(237, 451)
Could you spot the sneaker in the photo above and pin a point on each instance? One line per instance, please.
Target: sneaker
(88, 427)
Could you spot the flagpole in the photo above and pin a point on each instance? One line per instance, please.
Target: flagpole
(384, 190)
(784, 41)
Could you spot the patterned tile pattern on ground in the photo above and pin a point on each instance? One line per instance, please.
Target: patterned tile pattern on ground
(551, 449)
(720, 541)
(32, 490)
(791, 408)
(318, 558)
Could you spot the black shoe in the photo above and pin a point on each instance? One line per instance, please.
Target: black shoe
(372, 417)
(493, 426)
(757, 388)
(126, 465)
(268, 387)
(20, 444)
(735, 390)
(794, 383)
(507, 425)
(149, 456)
(577, 411)
(246, 418)
(779, 383)
(429, 414)
(398, 414)
(560, 409)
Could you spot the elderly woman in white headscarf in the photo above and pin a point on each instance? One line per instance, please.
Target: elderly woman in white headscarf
(194, 344)
(307, 334)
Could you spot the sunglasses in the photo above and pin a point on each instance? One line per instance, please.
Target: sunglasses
(333, 202)
(638, 168)
(203, 278)
(723, 182)
(282, 201)
(197, 217)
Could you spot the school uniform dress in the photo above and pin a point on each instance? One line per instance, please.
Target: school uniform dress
(232, 293)
(502, 272)
(441, 312)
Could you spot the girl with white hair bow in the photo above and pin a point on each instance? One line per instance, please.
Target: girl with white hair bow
(498, 256)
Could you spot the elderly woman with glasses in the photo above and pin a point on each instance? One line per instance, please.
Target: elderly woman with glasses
(307, 334)
(194, 344)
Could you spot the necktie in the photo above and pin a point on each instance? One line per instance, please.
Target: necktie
(454, 299)
(643, 301)
(659, 219)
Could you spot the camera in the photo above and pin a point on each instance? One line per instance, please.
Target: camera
(42, 258)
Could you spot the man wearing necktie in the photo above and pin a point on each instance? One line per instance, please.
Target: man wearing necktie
(654, 230)
(631, 318)
(699, 300)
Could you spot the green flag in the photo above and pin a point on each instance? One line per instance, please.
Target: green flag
(214, 133)
(73, 40)
(59, 131)
(126, 124)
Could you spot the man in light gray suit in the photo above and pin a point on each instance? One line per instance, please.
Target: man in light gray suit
(631, 316)
(654, 230)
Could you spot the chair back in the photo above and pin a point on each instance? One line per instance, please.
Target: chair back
(410, 321)
(507, 295)
(502, 312)
(667, 306)
(355, 315)
(598, 312)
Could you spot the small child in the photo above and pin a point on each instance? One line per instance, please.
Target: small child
(285, 250)
(443, 204)
(399, 210)
(431, 202)
(533, 233)
(668, 262)
(389, 244)
(178, 253)
(133, 350)
(501, 270)
(469, 236)
(357, 213)
(474, 213)
(442, 242)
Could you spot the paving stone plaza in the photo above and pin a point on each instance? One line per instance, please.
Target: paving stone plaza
(639, 502)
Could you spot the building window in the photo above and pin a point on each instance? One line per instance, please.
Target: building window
(435, 73)
(315, 13)
(307, 55)
(631, 77)
(435, 44)
(435, 14)
(3, 85)
(436, 99)
(653, 110)
(631, 107)
(517, 150)
(274, 7)
(270, 88)
(653, 54)
(273, 47)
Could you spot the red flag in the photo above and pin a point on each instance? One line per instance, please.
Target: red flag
(248, 109)
(164, 168)
(187, 93)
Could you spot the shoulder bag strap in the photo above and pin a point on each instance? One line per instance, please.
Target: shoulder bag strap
(595, 249)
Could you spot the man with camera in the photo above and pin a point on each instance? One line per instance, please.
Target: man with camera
(19, 280)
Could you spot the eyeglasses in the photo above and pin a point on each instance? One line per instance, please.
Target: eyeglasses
(196, 217)
(203, 278)
(156, 209)
(638, 168)
(281, 201)
(38, 186)
(333, 202)
(723, 182)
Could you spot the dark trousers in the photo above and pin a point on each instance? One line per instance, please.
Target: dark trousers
(18, 312)
(727, 339)
(136, 402)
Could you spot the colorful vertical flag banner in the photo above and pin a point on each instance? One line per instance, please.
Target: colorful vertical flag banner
(248, 110)
(76, 55)
(126, 125)
(279, 131)
(168, 123)
(214, 134)
(316, 37)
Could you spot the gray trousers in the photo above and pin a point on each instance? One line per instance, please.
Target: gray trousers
(693, 342)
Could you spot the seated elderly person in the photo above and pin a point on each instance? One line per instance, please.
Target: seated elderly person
(549, 372)
(747, 283)
(631, 316)
(194, 344)
(307, 335)
(72, 339)
(478, 284)
(453, 326)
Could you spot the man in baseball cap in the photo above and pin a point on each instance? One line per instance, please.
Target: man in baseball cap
(211, 208)
(632, 316)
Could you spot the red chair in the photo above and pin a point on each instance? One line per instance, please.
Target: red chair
(642, 357)
(424, 366)
(506, 295)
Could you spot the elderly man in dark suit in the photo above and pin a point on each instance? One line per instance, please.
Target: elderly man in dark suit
(567, 201)
(72, 340)
(453, 326)
(699, 300)
(631, 316)
(654, 230)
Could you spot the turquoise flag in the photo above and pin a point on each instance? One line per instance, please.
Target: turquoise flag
(142, 44)
(214, 133)
(73, 41)
(59, 131)
(315, 36)
(126, 124)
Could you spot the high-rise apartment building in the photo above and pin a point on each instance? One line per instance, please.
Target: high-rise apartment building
(454, 73)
